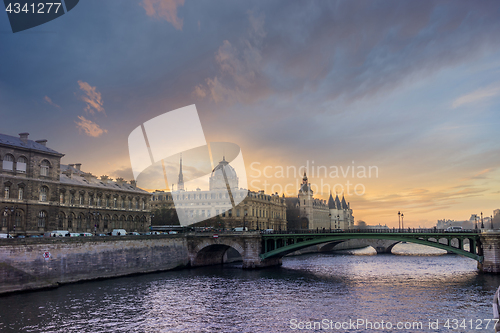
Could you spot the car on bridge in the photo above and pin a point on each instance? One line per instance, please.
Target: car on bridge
(454, 229)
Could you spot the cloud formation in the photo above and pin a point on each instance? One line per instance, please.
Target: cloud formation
(89, 127)
(92, 97)
(164, 9)
(48, 100)
(241, 78)
(481, 94)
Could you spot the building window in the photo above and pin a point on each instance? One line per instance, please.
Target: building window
(237, 213)
(107, 202)
(143, 204)
(137, 204)
(115, 202)
(72, 199)
(43, 193)
(123, 203)
(81, 199)
(70, 221)
(229, 213)
(6, 193)
(60, 221)
(61, 198)
(21, 164)
(44, 168)
(91, 200)
(8, 162)
(99, 201)
(42, 219)
(20, 193)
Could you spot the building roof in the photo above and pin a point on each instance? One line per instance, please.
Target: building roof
(224, 166)
(78, 179)
(344, 204)
(331, 202)
(15, 141)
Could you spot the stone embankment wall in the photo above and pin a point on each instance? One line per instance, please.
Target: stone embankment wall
(34, 263)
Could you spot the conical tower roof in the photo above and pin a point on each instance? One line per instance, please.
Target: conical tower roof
(331, 202)
(344, 204)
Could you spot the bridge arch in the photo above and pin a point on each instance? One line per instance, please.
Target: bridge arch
(430, 240)
(208, 253)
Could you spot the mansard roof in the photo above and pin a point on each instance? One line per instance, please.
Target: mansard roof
(16, 142)
(78, 179)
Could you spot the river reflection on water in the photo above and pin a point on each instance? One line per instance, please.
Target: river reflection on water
(428, 285)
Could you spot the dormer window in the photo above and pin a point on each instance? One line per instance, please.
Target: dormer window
(8, 162)
(44, 168)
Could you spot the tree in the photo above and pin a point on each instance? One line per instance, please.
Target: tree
(361, 224)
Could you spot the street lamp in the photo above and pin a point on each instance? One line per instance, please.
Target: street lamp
(402, 221)
(330, 218)
(94, 214)
(338, 221)
(475, 222)
(491, 221)
(399, 219)
(482, 222)
(9, 212)
(244, 221)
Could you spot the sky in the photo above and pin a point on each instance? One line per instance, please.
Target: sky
(409, 90)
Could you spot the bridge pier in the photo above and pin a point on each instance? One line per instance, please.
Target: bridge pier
(490, 247)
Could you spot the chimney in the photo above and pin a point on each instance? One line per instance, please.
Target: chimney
(42, 142)
(24, 137)
(104, 178)
(133, 183)
(77, 166)
(71, 165)
(87, 176)
(119, 181)
(68, 172)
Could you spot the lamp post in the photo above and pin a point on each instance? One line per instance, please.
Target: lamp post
(244, 221)
(338, 221)
(94, 215)
(402, 221)
(9, 212)
(475, 222)
(491, 221)
(330, 218)
(399, 219)
(482, 222)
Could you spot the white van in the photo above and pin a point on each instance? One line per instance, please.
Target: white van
(6, 236)
(57, 233)
(240, 229)
(119, 232)
(454, 228)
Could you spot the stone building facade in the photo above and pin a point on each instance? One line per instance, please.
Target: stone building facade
(257, 211)
(40, 194)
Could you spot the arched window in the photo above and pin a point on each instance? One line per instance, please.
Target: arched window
(21, 164)
(19, 220)
(60, 221)
(79, 222)
(44, 168)
(6, 191)
(44, 191)
(42, 219)
(106, 221)
(71, 217)
(8, 162)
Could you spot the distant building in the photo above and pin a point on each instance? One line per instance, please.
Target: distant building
(306, 212)
(40, 194)
(471, 223)
(257, 211)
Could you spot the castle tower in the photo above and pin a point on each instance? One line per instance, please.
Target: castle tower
(306, 203)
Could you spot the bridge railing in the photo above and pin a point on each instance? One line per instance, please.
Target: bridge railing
(368, 230)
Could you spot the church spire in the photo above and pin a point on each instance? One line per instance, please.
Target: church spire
(180, 183)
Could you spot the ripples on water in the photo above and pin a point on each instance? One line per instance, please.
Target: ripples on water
(402, 287)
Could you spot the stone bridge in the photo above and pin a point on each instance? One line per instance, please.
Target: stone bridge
(262, 250)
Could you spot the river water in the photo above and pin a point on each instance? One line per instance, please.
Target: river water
(341, 292)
